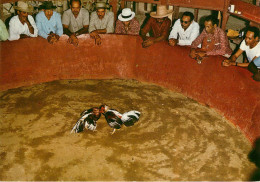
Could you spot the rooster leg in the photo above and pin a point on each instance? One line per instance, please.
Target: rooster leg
(113, 131)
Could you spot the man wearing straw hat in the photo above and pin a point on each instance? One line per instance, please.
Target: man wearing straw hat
(22, 25)
(127, 23)
(49, 23)
(159, 24)
(101, 21)
(75, 21)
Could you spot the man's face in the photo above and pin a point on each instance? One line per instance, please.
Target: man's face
(75, 8)
(22, 15)
(209, 26)
(160, 20)
(250, 39)
(48, 13)
(101, 13)
(126, 23)
(185, 22)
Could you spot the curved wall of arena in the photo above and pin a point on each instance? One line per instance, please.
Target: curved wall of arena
(231, 91)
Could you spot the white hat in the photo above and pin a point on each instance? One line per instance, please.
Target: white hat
(161, 12)
(126, 15)
(23, 6)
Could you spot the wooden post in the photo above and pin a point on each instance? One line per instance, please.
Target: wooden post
(196, 14)
(122, 4)
(175, 13)
(225, 14)
(113, 3)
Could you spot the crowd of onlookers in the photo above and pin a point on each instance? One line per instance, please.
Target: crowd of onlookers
(185, 31)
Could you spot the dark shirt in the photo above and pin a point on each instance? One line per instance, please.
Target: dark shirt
(157, 29)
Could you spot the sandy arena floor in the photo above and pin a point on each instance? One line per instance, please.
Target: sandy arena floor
(175, 139)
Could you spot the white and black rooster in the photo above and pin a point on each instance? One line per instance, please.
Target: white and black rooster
(115, 119)
(88, 120)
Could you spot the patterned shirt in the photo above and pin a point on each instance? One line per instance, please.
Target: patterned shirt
(219, 41)
(134, 27)
(107, 22)
(75, 24)
(46, 26)
(16, 28)
(158, 29)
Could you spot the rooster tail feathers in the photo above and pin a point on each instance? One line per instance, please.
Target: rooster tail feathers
(78, 127)
(130, 118)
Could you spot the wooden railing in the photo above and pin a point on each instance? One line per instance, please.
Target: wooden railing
(220, 5)
(248, 11)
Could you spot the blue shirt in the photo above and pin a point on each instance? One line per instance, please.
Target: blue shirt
(46, 26)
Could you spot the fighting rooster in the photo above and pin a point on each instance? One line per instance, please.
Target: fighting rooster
(88, 120)
(115, 119)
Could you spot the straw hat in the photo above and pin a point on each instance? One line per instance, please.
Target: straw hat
(126, 15)
(161, 12)
(23, 6)
(47, 5)
(101, 5)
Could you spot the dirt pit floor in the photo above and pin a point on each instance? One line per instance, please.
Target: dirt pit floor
(176, 138)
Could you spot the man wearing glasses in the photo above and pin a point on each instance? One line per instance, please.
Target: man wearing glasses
(184, 30)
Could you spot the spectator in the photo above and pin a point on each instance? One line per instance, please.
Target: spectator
(101, 21)
(3, 31)
(251, 46)
(213, 41)
(22, 25)
(127, 23)
(49, 23)
(75, 21)
(159, 24)
(184, 31)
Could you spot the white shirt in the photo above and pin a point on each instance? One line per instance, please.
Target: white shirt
(16, 28)
(250, 53)
(186, 37)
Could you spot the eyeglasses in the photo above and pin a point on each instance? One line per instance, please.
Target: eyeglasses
(186, 22)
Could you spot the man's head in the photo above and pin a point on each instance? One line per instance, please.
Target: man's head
(48, 13)
(101, 13)
(22, 15)
(101, 9)
(186, 19)
(48, 7)
(252, 36)
(161, 13)
(22, 10)
(210, 24)
(75, 6)
(126, 16)
(160, 20)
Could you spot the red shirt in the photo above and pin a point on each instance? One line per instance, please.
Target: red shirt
(157, 29)
(134, 27)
